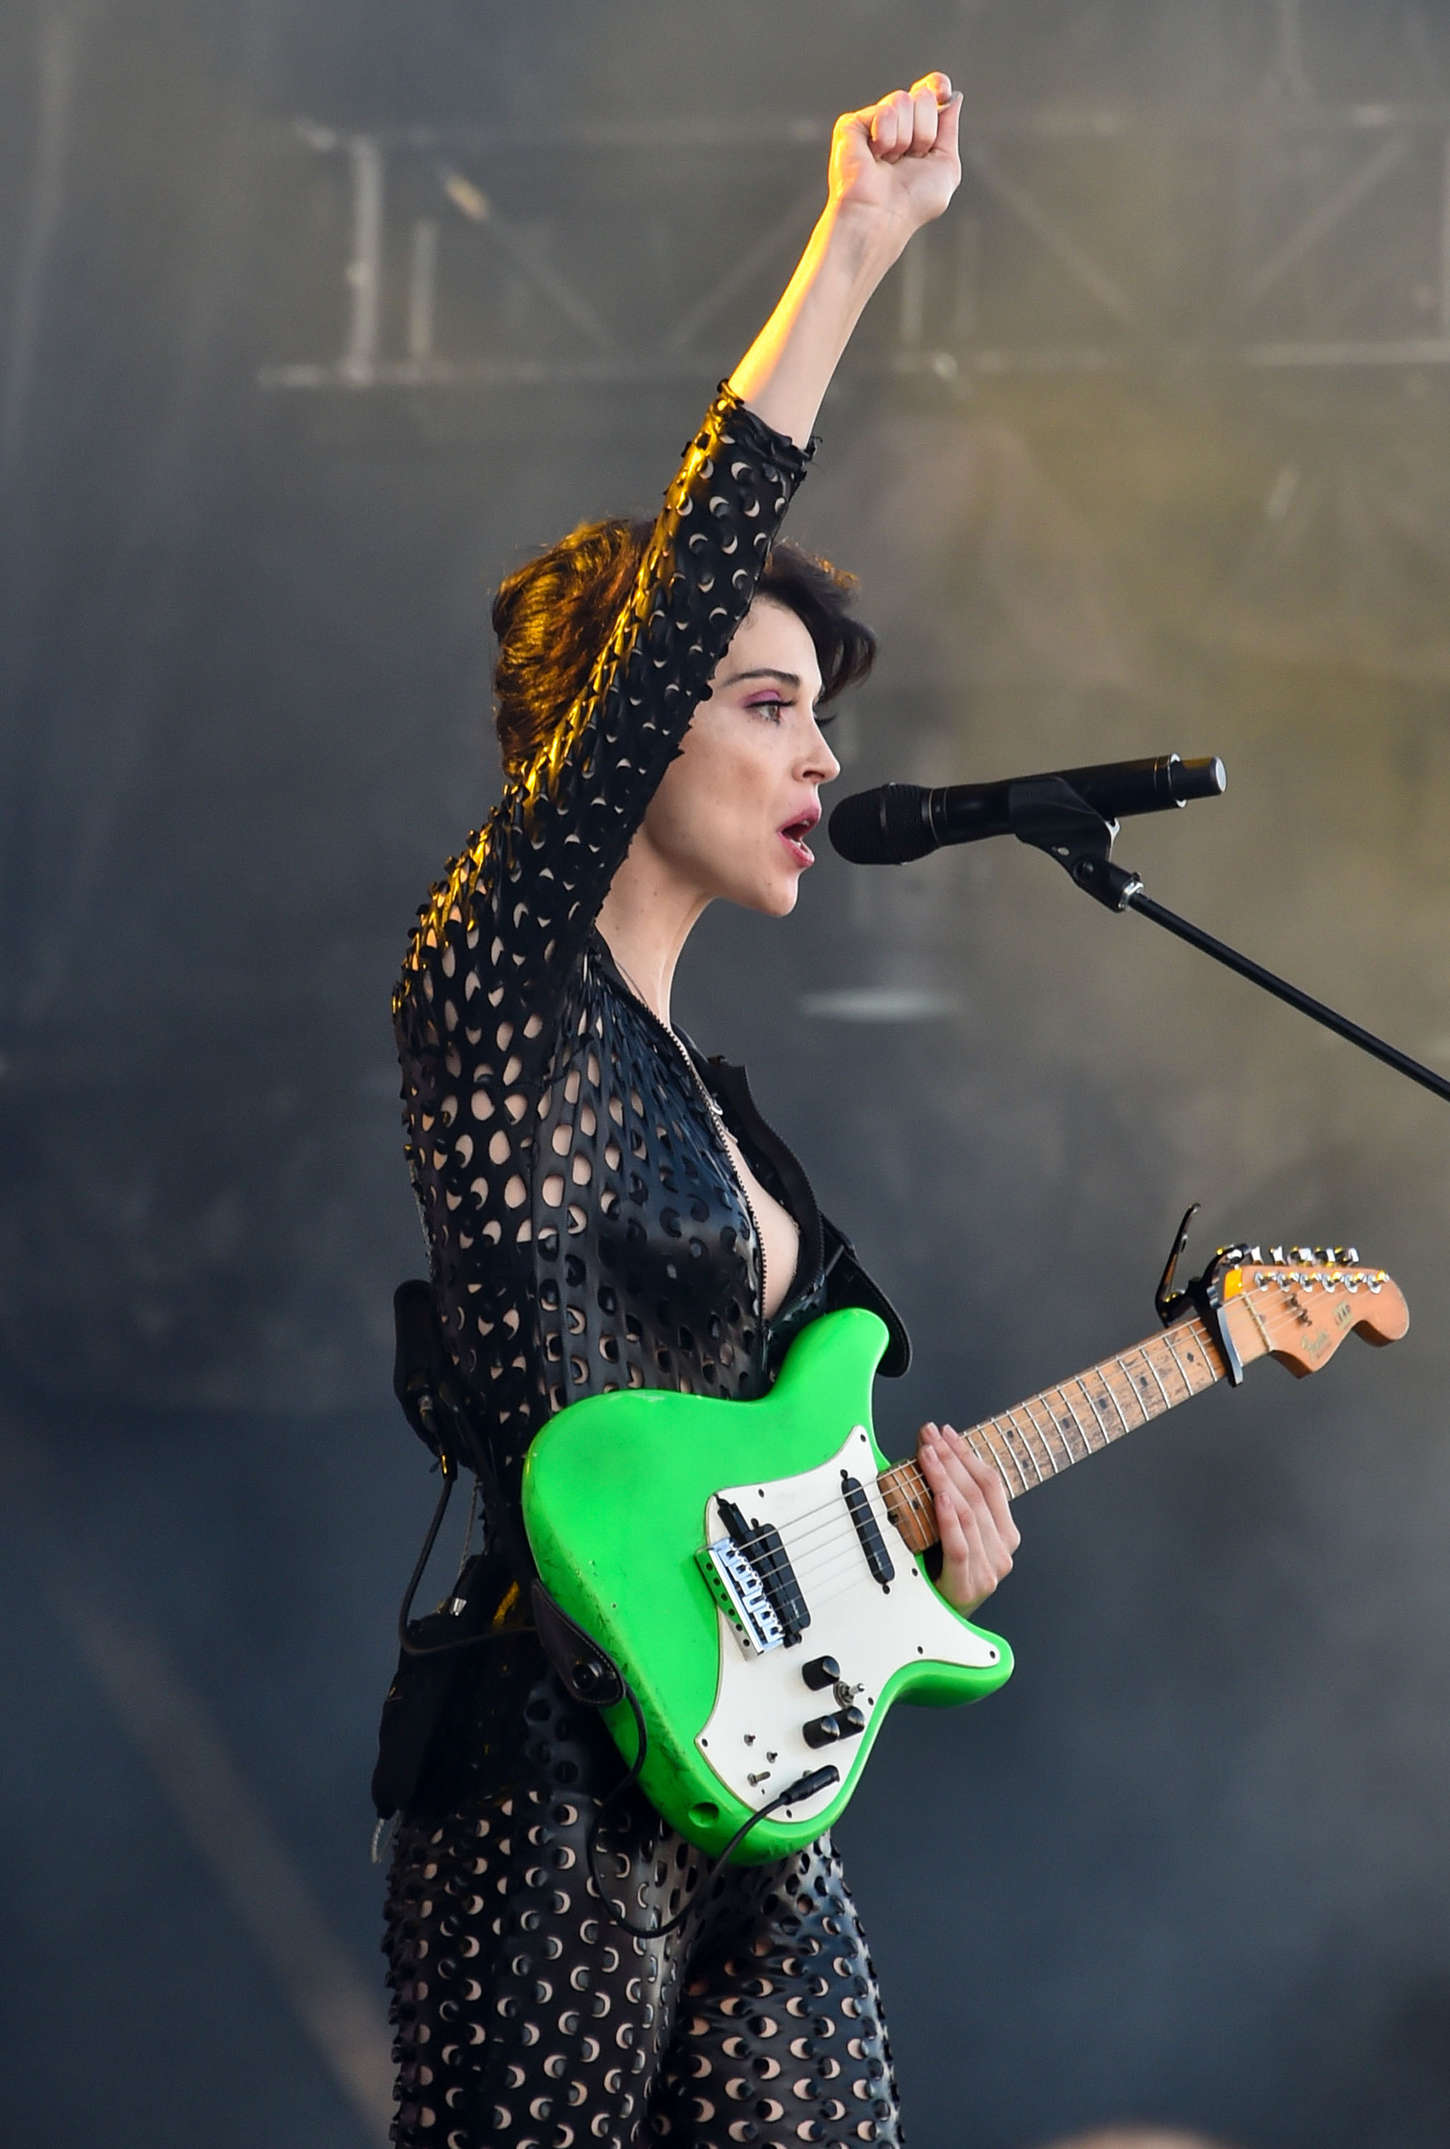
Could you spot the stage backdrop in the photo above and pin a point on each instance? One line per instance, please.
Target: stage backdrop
(315, 321)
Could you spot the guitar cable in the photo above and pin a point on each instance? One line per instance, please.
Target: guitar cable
(817, 1779)
(591, 1677)
(588, 1673)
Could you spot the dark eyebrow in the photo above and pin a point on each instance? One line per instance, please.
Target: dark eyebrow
(767, 671)
(764, 671)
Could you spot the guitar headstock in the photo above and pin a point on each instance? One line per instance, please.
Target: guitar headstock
(1299, 1303)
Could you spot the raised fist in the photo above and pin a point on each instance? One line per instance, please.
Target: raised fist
(897, 159)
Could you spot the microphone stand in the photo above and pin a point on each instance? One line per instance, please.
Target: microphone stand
(1045, 812)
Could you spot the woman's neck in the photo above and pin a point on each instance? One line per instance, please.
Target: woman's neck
(645, 919)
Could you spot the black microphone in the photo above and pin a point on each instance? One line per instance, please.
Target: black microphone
(900, 821)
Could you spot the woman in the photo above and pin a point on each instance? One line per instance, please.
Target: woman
(604, 1209)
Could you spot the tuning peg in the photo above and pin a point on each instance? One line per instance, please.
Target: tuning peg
(1276, 1255)
(1351, 1256)
(1301, 1253)
(1253, 1253)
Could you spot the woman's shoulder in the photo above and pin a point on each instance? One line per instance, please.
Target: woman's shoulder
(490, 930)
(449, 924)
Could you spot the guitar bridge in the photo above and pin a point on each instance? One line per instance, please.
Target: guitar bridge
(742, 1596)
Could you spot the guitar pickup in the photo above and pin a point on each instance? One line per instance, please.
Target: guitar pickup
(868, 1529)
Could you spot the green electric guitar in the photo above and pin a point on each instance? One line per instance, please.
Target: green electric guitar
(755, 1569)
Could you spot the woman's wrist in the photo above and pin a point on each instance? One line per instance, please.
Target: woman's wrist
(866, 240)
(786, 371)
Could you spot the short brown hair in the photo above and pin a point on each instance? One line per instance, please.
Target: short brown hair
(554, 614)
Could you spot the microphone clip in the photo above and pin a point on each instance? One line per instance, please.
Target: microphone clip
(1048, 814)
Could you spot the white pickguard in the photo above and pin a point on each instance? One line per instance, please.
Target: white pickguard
(753, 1738)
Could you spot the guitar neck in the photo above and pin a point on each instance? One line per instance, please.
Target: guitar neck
(1063, 1425)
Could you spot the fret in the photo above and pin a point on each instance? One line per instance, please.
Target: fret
(1112, 1395)
(1147, 1357)
(921, 1507)
(902, 1488)
(1042, 1439)
(1004, 1455)
(1010, 1452)
(1211, 1348)
(993, 1458)
(1133, 1391)
(1055, 1426)
(1025, 1449)
(1077, 1421)
(1092, 1406)
(1189, 1388)
(1021, 1438)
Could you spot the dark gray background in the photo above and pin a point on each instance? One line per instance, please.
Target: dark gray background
(1147, 451)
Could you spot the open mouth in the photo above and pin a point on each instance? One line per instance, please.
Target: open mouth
(794, 836)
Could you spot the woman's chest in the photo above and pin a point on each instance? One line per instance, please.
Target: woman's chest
(778, 1231)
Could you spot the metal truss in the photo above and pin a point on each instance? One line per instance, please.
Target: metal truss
(1285, 234)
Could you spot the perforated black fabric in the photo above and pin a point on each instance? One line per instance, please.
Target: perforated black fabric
(527, 2017)
(587, 1231)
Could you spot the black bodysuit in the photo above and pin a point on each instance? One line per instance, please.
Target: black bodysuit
(587, 1230)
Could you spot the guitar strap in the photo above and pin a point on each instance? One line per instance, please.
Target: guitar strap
(484, 1602)
(588, 1673)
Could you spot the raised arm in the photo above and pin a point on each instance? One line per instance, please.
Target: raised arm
(894, 167)
(541, 868)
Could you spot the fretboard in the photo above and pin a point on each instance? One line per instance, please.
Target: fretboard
(1060, 1426)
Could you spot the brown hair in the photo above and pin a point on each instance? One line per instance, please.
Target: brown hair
(554, 614)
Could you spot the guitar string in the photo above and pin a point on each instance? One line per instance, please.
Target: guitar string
(828, 1509)
(825, 1516)
(842, 1557)
(839, 1554)
(802, 1554)
(843, 1554)
(838, 1560)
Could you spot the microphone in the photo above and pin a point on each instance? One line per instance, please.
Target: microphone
(901, 821)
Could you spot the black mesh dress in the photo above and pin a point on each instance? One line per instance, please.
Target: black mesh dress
(587, 1230)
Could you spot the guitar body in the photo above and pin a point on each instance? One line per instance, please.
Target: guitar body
(737, 1562)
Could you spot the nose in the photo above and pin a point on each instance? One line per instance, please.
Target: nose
(821, 765)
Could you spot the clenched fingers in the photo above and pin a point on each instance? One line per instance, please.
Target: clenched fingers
(974, 1520)
(907, 123)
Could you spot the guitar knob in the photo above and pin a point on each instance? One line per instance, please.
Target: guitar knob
(841, 1724)
(820, 1672)
(821, 1730)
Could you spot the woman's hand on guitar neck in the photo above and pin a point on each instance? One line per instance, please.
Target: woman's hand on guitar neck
(978, 1535)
